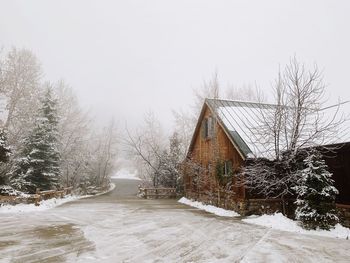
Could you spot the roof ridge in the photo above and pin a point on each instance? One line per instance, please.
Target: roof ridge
(272, 104)
(243, 101)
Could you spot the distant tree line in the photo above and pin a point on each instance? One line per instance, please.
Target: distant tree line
(47, 141)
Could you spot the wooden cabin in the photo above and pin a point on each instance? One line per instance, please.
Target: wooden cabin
(224, 138)
(218, 149)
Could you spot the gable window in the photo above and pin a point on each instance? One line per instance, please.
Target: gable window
(208, 128)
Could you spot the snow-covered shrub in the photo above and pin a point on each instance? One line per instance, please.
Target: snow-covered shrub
(8, 191)
(316, 194)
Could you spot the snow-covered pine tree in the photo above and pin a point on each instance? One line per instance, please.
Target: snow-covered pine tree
(316, 194)
(5, 151)
(39, 163)
(169, 162)
(4, 147)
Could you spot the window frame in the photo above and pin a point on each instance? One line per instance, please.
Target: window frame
(208, 127)
(228, 168)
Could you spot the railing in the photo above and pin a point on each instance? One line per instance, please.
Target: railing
(155, 193)
(35, 198)
(344, 206)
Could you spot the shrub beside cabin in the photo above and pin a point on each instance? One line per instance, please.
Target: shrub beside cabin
(224, 138)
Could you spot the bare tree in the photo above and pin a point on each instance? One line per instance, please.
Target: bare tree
(75, 130)
(297, 120)
(210, 89)
(104, 153)
(20, 87)
(245, 93)
(87, 154)
(146, 145)
(184, 126)
(158, 160)
(185, 122)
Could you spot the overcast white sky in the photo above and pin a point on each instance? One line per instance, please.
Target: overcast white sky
(125, 57)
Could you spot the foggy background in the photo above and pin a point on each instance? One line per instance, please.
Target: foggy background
(126, 57)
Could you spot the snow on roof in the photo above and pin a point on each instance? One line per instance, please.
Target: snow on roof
(243, 121)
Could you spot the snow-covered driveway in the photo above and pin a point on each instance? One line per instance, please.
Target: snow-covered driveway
(117, 227)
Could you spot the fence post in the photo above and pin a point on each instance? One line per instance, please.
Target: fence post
(36, 199)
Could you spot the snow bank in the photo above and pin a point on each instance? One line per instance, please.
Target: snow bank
(280, 222)
(125, 174)
(46, 204)
(208, 208)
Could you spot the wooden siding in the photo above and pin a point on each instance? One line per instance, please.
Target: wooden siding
(205, 151)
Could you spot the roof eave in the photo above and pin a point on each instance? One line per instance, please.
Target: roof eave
(198, 125)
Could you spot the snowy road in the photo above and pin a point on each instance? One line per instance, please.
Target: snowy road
(118, 227)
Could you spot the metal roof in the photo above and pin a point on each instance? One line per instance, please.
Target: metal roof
(242, 121)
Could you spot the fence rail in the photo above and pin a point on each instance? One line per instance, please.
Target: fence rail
(155, 193)
(35, 198)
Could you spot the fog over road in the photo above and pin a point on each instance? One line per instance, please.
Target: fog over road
(119, 227)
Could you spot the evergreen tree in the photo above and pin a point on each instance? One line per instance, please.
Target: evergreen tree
(39, 162)
(316, 194)
(169, 161)
(4, 148)
(5, 152)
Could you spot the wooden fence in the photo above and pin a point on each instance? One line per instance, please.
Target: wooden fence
(35, 198)
(155, 193)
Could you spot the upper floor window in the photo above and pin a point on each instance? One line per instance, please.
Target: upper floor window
(208, 127)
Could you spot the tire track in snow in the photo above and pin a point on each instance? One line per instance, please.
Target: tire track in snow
(250, 249)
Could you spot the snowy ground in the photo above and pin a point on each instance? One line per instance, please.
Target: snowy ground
(275, 221)
(118, 227)
(208, 208)
(280, 222)
(45, 204)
